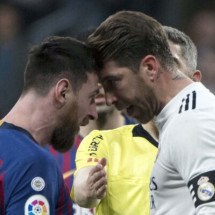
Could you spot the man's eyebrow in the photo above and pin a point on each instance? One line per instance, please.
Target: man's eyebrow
(110, 77)
(106, 78)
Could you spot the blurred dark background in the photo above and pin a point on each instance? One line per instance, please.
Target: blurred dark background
(26, 22)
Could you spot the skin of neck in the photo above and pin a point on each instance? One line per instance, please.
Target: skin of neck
(31, 113)
(151, 129)
(167, 85)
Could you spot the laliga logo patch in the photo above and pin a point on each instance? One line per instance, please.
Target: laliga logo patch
(205, 189)
(37, 184)
(37, 205)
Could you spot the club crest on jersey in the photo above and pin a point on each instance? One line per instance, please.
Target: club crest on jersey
(37, 205)
(37, 184)
(206, 189)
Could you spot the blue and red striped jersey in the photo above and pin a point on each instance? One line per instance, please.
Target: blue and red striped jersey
(30, 179)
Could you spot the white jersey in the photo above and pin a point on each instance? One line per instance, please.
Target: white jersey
(183, 176)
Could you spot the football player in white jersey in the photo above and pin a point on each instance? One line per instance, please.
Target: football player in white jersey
(139, 74)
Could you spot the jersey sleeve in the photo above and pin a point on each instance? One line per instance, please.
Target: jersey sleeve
(91, 150)
(39, 187)
(192, 153)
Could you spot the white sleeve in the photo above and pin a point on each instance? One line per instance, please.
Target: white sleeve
(192, 147)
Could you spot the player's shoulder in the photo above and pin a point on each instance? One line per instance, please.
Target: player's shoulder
(193, 121)
(199, 106)
(126, 132)
(196, 98)
(123, 130)
(18, 141)
(38, 156)
(106, 136)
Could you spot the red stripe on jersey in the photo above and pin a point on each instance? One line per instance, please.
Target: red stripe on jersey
(67, 166)
(62, 201)
(78, 140)
(2, 209)
(53, 151)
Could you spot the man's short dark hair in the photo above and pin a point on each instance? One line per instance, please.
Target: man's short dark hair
(127, 36)
(55, 58)
(188, 48)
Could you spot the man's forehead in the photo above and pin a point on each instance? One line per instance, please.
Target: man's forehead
(110, 69)
(92, 77)
(91, 83)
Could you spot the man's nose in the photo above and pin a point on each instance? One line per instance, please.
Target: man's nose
(110, 98)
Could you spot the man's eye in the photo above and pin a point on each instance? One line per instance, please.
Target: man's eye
(110, 84)
(113, 82)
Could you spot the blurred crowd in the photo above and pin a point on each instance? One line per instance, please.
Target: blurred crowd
(26, 22)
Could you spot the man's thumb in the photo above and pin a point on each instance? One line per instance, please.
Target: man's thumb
(103, 162)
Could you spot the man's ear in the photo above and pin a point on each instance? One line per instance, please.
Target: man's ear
(197, 76)
(149, 65)
(62, 87)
